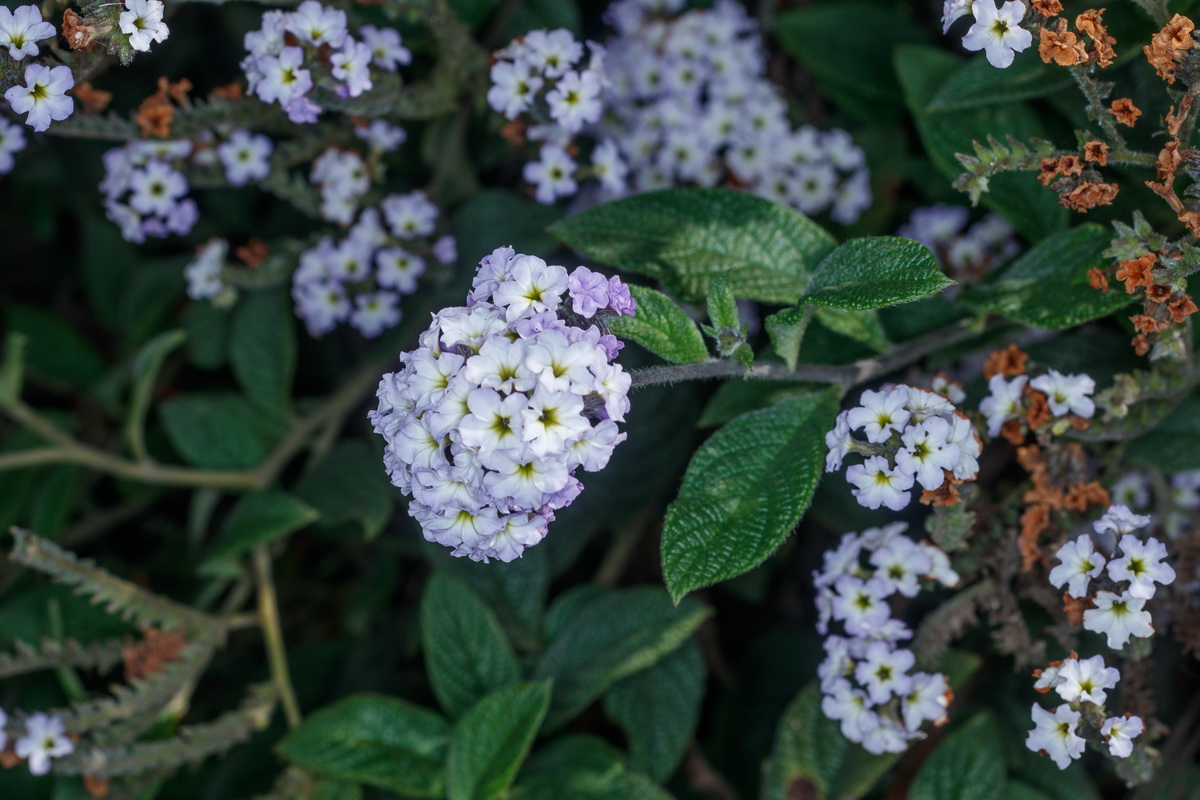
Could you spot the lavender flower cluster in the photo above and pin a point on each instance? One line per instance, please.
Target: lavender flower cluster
(360, 278)
(145, 191)
(913, 436)
(672, 99)
(504, 399)
(967, 253)
(866, 677)
(325, 57)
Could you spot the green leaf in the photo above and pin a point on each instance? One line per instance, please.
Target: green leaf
(687, 238)
(875, 271)
(583, 768)
(658, 709)
(811, 757)
(207, 334)
(1047, 287)
(734, 398)
(466, 653)
(722, 306)
(347, 485)
(492, 739)
(12, 369)
(861, 326)
(516, 594)
(613, 634)
(499, 215)
(219, 431)
(374, 739)
(967, 765)
(1172, 444)
(262, 347)
(145, 368)
(662, 327)
(744, 492)
(1033, 209)
(786, 329)
(55, 350)
(257, 519)
(474, 12)
(978, 83)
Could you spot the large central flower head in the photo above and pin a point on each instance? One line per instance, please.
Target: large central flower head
(501, 403)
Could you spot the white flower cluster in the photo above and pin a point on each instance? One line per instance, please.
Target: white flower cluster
(684, 102)
(1079, 681)
(996, 31)
(913, 436)
(1066, 395)
(143, 22)
(504, 399)
(1118, 612)
(245, 157)
(203, 274)
(293, 51)
(12, 141)
(865, 677)
(21, 28)
(341, 178)
(43, 98)
(144, 193)
(1134, 489)
(967, 253)
(45, 738)
(361, 278)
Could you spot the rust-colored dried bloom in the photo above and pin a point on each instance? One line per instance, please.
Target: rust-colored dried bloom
(1048, 8)
(96, 786)
(1125, 111)
(1074, 607)
(1144, 323)
(146, 658)
(230, 91)
(1178, 33)
(1192, 220)
(1158, 293)
(1101, 49)
(1070, 165)
(1097, 279)
(252, 253)
(1039, 409)
(1082, 496)
(1168, 161)
(1047, 170)
(1136, 272)
(92, 99)
(1009, 363)
(179, 91)
(944, 495)
(1012, 432)
(78, 33)
(154, 116)
(1181, 308)
(1060, 46)
(1088, 195)
(1176, 36)
(1034, 520)
(1096, 151)
(1141, 344)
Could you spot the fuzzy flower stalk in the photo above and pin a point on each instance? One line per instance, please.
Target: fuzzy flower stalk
(505, 398)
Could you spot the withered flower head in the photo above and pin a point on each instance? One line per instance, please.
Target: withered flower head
(1096, 151)
(1097, 279)
(1125, 111)
(1088, 195)
(1136, 272)
(1060, 46)
(1100, 51)
(1009, 362)
(92, 99)
(1048, 8)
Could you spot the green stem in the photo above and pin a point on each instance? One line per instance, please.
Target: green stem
(1094, 94)
(268, 611)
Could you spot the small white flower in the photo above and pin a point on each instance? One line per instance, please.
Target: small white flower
(880, 414)
(1085, 680)
(245, 157)
(553, 174)
(1055, 734)
(1141, 565)
(1067, 394)
(860, 605)
(927, 700)
(926, 453)
(204, 273)
(898, 564)
(878, 484)
(12, 141)
(143, 22)
(1004, 403)
(387, 50)
(1078, 564)
(1121, 731)
(43, 97)
(21, 29)
(1118, 617)
(998, 32)
(883, 672)
(1119, 520)
(838, 441)
(851, 708)
(952, 10)
(45, 738)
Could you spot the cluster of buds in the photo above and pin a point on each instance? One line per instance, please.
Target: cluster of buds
(504, 399)
(866, 676)
(913, 436)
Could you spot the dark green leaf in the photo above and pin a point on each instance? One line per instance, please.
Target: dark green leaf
(466, 653)
(744, 492)
(734, 398)
(1047, 287)
(257, 519)
(616, 634)
(967, 765)
(786, 329)
(348, 485)
(583, 768)
(861, 326)
(262, 347)
(687, 238)
(812, 758)
(978, 83)
(661, 327)
(12, 369)
(499, 216)
(207, 334)
(220, 431)
(658, 709)
(376, 740)
(1172, 444)
(873, 272)
(56, 351)
(516, 593)
(145, 368)
(474, 12)
(722, 306)
(492, 739)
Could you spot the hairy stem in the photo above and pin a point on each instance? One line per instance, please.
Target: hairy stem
(268, 610)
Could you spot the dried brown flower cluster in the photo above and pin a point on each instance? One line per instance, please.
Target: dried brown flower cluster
(155, 114)
(1066, 48)
(1079, 190)
(1124, 111)
(1165, 306)
(1059, 486)
(1167, 44)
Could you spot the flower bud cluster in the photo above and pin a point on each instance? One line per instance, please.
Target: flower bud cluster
(295, 52)
(360, 278)
(1117, 611)
(865, 677)
(1083, 684)
(504, 399)
(145, 193)
(913, 436)
(966, 253)
(1029, 404)
(45, 739)
(673, 99)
